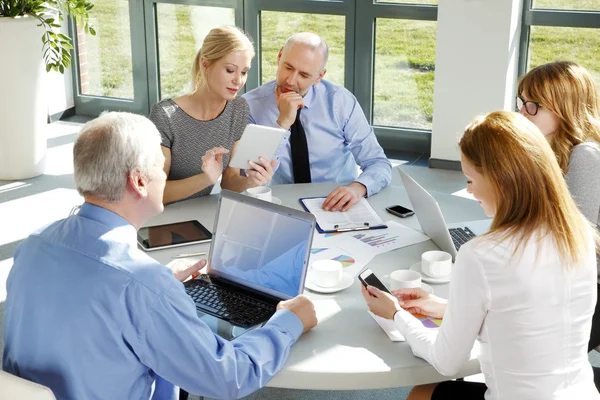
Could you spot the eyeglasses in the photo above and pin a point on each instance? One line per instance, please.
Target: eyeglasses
(530, 106)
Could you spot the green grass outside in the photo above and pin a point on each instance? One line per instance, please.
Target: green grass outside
(404, 53)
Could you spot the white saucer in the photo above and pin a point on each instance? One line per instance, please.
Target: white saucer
(276, 200)
(427, 278)
(347, 281)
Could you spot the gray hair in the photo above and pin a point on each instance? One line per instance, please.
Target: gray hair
(310, 40)
(109, 148)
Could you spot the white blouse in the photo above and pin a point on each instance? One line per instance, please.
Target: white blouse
(531, 315)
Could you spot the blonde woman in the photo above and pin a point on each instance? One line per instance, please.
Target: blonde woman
(201, 129)
(526, 290)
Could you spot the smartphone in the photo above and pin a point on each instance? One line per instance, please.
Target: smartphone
(172, 235)
(400, 211)
(368, 278)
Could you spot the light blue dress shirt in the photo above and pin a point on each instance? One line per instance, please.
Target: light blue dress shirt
(338, 136)
(92, 317)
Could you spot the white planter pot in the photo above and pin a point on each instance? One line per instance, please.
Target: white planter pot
(23, 101)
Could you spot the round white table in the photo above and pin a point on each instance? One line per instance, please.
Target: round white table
(347, 350)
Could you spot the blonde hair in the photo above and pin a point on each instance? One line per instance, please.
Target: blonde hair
(569, 91)
(530, 191)
(217, 44)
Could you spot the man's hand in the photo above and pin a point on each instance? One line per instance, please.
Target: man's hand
(212, 163)
(380, 303)
(262, 173)
(418, 301)
(303, 308)
(183, 270)
(344, 197)
(288, 104)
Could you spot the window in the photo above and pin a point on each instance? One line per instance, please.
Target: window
(181, 31)
(558, 30)
(276, 27)
(105, 62)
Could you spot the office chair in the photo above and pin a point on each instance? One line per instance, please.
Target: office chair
(15, 388)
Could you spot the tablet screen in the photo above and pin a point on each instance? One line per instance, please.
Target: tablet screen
(176, 234)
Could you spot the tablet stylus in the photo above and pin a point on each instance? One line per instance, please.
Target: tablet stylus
(202, 253)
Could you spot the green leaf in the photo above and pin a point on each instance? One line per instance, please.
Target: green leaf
(48, 67)
(92, 31)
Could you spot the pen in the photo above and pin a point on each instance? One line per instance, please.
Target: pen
(202, 253)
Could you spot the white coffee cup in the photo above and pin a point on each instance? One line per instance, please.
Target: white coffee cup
(436, 264)
(259, 192)
(326, 273)
(404, 279)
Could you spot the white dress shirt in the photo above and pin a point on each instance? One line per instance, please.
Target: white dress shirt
(531, 315)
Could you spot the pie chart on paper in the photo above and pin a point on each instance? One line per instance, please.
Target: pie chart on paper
(345, 260)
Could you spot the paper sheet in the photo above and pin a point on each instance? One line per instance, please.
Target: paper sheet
(360, 215)
(389, 327)
(324, 249)
(379, 241)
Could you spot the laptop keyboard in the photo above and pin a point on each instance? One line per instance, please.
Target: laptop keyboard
(229, 305)
(461, 236)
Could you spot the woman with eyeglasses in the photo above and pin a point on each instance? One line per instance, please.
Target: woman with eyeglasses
(525, 290)
(562, 100)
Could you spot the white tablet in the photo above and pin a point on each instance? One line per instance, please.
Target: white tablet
(257, 141)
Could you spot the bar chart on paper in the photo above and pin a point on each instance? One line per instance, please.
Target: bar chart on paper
(377, 240)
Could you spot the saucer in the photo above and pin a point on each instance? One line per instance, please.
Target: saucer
(426, 288)
(427, 278)
(276, 200)
(347, 281)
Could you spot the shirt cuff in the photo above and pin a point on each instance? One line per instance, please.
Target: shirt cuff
(366, 182)
(288, 320)
(402, 319)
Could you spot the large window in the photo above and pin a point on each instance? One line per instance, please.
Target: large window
(561, 30)
(383, 51)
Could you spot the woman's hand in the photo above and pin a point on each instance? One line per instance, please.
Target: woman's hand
(212, 163)
(418, 301)
(380, 303)
(261, 173)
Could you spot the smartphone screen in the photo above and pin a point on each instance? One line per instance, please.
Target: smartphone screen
(400, 211)
(176, 234)
(368, 278)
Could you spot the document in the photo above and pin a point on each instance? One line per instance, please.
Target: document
(360, 217)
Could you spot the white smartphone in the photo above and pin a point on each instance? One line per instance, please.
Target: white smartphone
(368, 278)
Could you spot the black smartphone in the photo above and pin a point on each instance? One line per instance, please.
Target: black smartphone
(400, 211)
(368, 278)
(172, 235)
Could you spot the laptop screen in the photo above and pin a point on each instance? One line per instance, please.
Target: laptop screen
(261, 245)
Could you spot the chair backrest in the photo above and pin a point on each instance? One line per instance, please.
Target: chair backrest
(14, 388)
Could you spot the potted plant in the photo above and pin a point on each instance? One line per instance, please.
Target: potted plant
(23, 99)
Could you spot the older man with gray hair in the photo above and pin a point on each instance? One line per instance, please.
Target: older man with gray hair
(92, 317)
(329, 136)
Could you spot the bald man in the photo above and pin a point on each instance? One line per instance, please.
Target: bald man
(328, 135)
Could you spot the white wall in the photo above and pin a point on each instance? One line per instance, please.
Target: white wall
(475, 68)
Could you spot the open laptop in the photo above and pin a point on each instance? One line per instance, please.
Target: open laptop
(448, 238)
(258, 257)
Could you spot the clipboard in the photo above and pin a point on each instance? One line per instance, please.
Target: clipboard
(360, 217)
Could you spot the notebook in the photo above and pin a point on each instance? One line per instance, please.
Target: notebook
(432, 221)
(258, 257)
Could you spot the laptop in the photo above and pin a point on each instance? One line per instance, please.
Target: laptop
(448, 238)
(258, 257)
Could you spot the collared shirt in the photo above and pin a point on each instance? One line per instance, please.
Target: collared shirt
(530, 312)
(92, 317)
(338, 136)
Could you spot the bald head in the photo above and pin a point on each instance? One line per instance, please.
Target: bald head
(309, 40)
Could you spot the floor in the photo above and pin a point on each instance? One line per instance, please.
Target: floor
(30, 204)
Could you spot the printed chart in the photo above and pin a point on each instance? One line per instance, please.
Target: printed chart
(375, 240)
(350, 263)
(428, 322)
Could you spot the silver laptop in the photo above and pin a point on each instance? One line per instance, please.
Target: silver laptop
(448, 238)
(258, 257)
